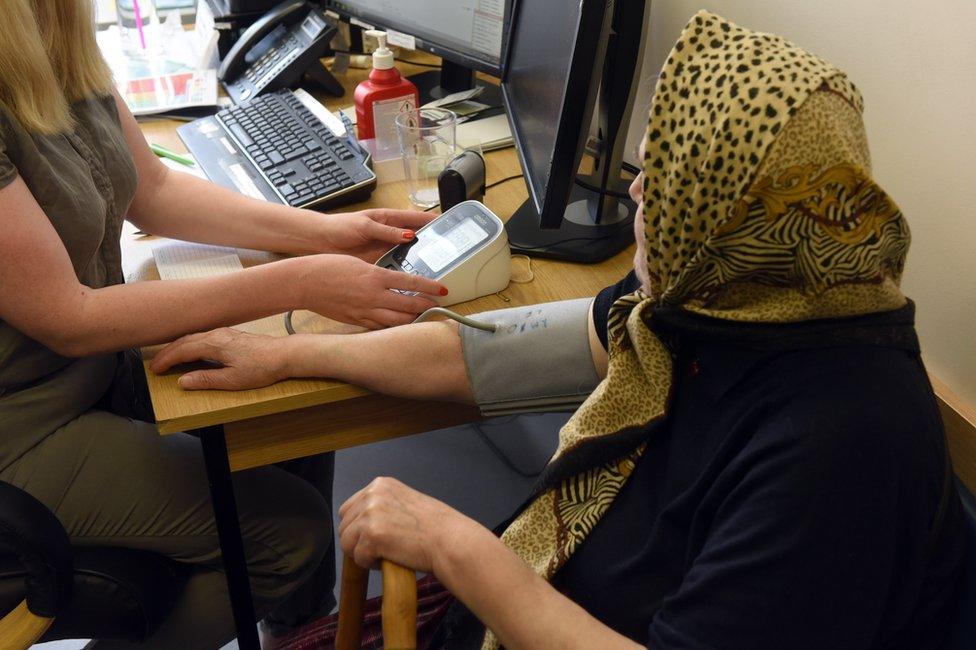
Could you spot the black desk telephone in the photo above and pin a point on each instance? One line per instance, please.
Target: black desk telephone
(277, 50)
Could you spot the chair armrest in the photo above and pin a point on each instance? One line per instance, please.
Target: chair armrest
(34, 535)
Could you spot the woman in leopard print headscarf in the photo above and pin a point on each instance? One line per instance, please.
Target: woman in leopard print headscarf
(763, 465)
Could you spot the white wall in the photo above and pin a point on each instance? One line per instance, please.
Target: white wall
(915, 63)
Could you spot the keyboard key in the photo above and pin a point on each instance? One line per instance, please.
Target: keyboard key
(276, 157)
(287, 190)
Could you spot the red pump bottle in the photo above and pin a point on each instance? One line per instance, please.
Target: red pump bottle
(383, 96)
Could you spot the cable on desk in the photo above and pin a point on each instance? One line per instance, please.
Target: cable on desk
(528, 262)
(633, 169)
(487, 187)
(503, 180)
(618, 228)
(594, 188)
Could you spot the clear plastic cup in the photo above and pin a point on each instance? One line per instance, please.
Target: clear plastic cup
(135, 19)
(428, 141)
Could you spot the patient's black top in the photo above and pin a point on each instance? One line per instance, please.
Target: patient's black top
(789, 503)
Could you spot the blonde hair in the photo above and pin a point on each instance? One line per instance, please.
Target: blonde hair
(49, 59)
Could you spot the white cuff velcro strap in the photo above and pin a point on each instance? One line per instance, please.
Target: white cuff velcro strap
(537, 360)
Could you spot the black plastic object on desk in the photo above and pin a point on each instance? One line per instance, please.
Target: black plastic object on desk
(276, 148)
(277, 50)
(462, 180)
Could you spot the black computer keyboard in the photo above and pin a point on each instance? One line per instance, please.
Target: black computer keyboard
(303, 160)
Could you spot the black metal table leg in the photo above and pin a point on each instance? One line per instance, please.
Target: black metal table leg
(229, 533)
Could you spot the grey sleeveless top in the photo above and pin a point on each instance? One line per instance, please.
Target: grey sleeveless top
(84, 181)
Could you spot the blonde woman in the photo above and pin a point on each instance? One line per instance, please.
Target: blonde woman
(73, 165)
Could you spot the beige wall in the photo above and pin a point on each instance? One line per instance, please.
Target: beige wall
(915, 63)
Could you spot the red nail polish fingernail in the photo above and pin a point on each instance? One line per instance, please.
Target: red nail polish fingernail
(409, 234)
(443, 291)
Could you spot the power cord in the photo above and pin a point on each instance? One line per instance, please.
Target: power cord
(288, 325)
(633, 169)
(618, 228)
(487, 187)
(608, 192)
(503, 180)
(531, 273)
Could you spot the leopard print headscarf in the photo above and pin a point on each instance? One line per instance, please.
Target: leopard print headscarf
(758, 206)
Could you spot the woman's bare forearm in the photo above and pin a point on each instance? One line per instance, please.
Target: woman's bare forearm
(181, 206)
(145, 313)
(522, 609)
(421, 361)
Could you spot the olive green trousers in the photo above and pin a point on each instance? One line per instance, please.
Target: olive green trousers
(114, 481)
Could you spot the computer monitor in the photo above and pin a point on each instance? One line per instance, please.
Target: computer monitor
(561, 68)
(468, 35)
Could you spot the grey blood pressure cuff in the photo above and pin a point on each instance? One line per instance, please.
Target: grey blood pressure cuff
(538, 359)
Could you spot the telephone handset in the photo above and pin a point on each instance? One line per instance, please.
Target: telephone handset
(277, 50)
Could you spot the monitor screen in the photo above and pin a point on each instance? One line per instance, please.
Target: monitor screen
(548, 86)
(471, 29)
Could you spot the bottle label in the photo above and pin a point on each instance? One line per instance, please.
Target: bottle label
(384, 122)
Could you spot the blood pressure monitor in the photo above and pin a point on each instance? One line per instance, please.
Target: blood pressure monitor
(465, 249)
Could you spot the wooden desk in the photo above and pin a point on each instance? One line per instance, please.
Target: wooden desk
(297, 418)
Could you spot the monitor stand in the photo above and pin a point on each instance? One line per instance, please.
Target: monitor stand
(578, 238)
(453, 78)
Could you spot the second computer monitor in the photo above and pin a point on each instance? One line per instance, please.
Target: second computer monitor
(563, 69)
(469, 35)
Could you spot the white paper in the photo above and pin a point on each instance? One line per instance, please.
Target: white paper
(399, 39)
(244, 183)
(455, 98)
(177, 260)
(193, 170)
(355, 21)
(318, 110)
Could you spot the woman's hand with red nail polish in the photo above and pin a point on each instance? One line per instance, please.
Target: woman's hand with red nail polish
(370, 233)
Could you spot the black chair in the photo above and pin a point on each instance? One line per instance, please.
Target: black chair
(963, 629)
(50, 590)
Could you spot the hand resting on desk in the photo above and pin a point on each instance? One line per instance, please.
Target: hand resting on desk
(417, 361)
(421, 361)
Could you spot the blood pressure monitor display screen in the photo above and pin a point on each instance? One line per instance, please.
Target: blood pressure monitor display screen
(446, 242)
(437, 251)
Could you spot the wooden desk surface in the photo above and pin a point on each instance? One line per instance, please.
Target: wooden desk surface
(179, 410)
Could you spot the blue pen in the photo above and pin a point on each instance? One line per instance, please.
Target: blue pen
(351, 133)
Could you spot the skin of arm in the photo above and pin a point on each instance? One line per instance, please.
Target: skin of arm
(389, 520)
(41, 296)
(251, 361)
(181, 206)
